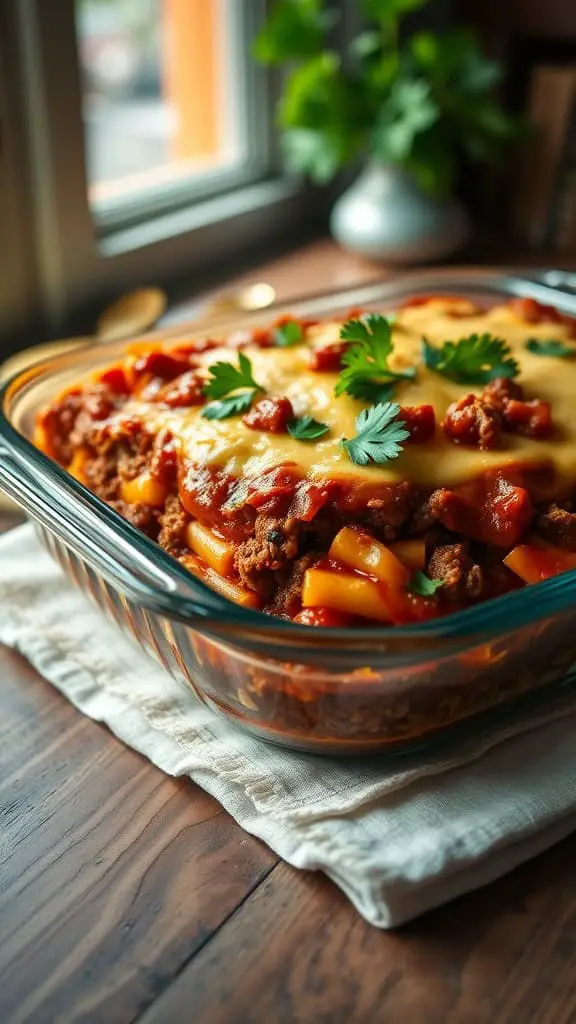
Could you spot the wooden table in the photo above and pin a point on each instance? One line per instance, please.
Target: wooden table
(126, 895)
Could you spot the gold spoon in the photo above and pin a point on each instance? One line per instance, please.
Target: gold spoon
(136, 313)
(131, 314)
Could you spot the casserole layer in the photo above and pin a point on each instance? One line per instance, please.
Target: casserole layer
(299, 530)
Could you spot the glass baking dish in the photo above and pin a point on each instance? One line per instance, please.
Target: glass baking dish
(335, 691)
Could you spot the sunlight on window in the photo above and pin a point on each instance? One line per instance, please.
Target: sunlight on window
(160, 93)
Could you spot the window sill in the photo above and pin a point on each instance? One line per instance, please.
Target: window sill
(254, 200)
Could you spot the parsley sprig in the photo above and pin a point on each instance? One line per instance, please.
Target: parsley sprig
(233, 388)
(288, 333)
(379, 435)
(366, 373)
(422, 585)
(306, 428)
(550, 347)
(477, 359)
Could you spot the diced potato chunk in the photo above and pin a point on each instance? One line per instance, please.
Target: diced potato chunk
(143, 490)
(536, 562)
(410, 552)
(361, 551)
(215, 551)
(232, 590)
(76, 467)
(345, 592)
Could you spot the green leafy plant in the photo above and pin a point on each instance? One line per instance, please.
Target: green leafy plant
(288, 334)
(422, 585)
(365, 372)
(551, 347)
(233, 387)
(423, 102)
(379, 435)
(477, 359)
(306, 428)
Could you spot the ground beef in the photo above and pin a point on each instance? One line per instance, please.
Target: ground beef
(471, 421)
(430, 511)
(273, 545)
(173, 522)
(461, 576)
(558, 525)
(287, 599)
(143, 517)
(532, 419)
(130, 464)
(59, 423)
(101, 474)
(387, 514)
(500, 391)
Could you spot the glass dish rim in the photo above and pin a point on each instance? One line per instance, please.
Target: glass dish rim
(492, 618)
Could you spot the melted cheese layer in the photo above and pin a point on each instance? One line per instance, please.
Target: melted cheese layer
(240, 451)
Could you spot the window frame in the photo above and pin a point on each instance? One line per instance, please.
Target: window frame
(79, 264)
(113, 215)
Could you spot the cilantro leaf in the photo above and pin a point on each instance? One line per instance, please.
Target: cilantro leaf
(306, 428)
(422, 585)
(289, 333)
(232, 406)
(477, 359)
(378, 435)
(226, 378)
(550, 347)
(366, 373)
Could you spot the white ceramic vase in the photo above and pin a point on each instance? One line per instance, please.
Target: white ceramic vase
(385, 216)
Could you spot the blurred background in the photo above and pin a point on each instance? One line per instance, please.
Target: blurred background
(160, 93)
(140, 142)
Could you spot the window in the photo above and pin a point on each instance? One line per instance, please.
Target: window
(147, 134)
(164, 98)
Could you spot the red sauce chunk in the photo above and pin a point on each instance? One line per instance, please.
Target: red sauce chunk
(323, 617)
(160, 364)
(184, 391)
(532, 419)
(164, 463)
(491, 510)
(534, 312)
(115, 378)
(269, 414)
(471, 421)
(310, 497)
(188, 349)
(420, 420)
(328, 358)
(273, 490)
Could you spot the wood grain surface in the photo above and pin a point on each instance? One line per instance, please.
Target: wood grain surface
(129, 896)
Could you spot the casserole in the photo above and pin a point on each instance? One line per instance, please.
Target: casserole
(339, 690)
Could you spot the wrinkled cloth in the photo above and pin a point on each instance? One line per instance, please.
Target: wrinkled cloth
(398, 834)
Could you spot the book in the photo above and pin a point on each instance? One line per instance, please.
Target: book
(563, 228)
(550, 103)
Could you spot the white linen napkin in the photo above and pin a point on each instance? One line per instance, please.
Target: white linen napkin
(398, 834)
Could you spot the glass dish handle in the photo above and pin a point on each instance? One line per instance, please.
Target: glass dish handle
(140, 579)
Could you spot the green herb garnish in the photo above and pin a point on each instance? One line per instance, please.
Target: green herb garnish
(422, 585)
(306, 428)
(550, 347)
(366, 373)
(227, 378)
(289, 333)
(232, 406)
(474, 360)
(378, 435)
